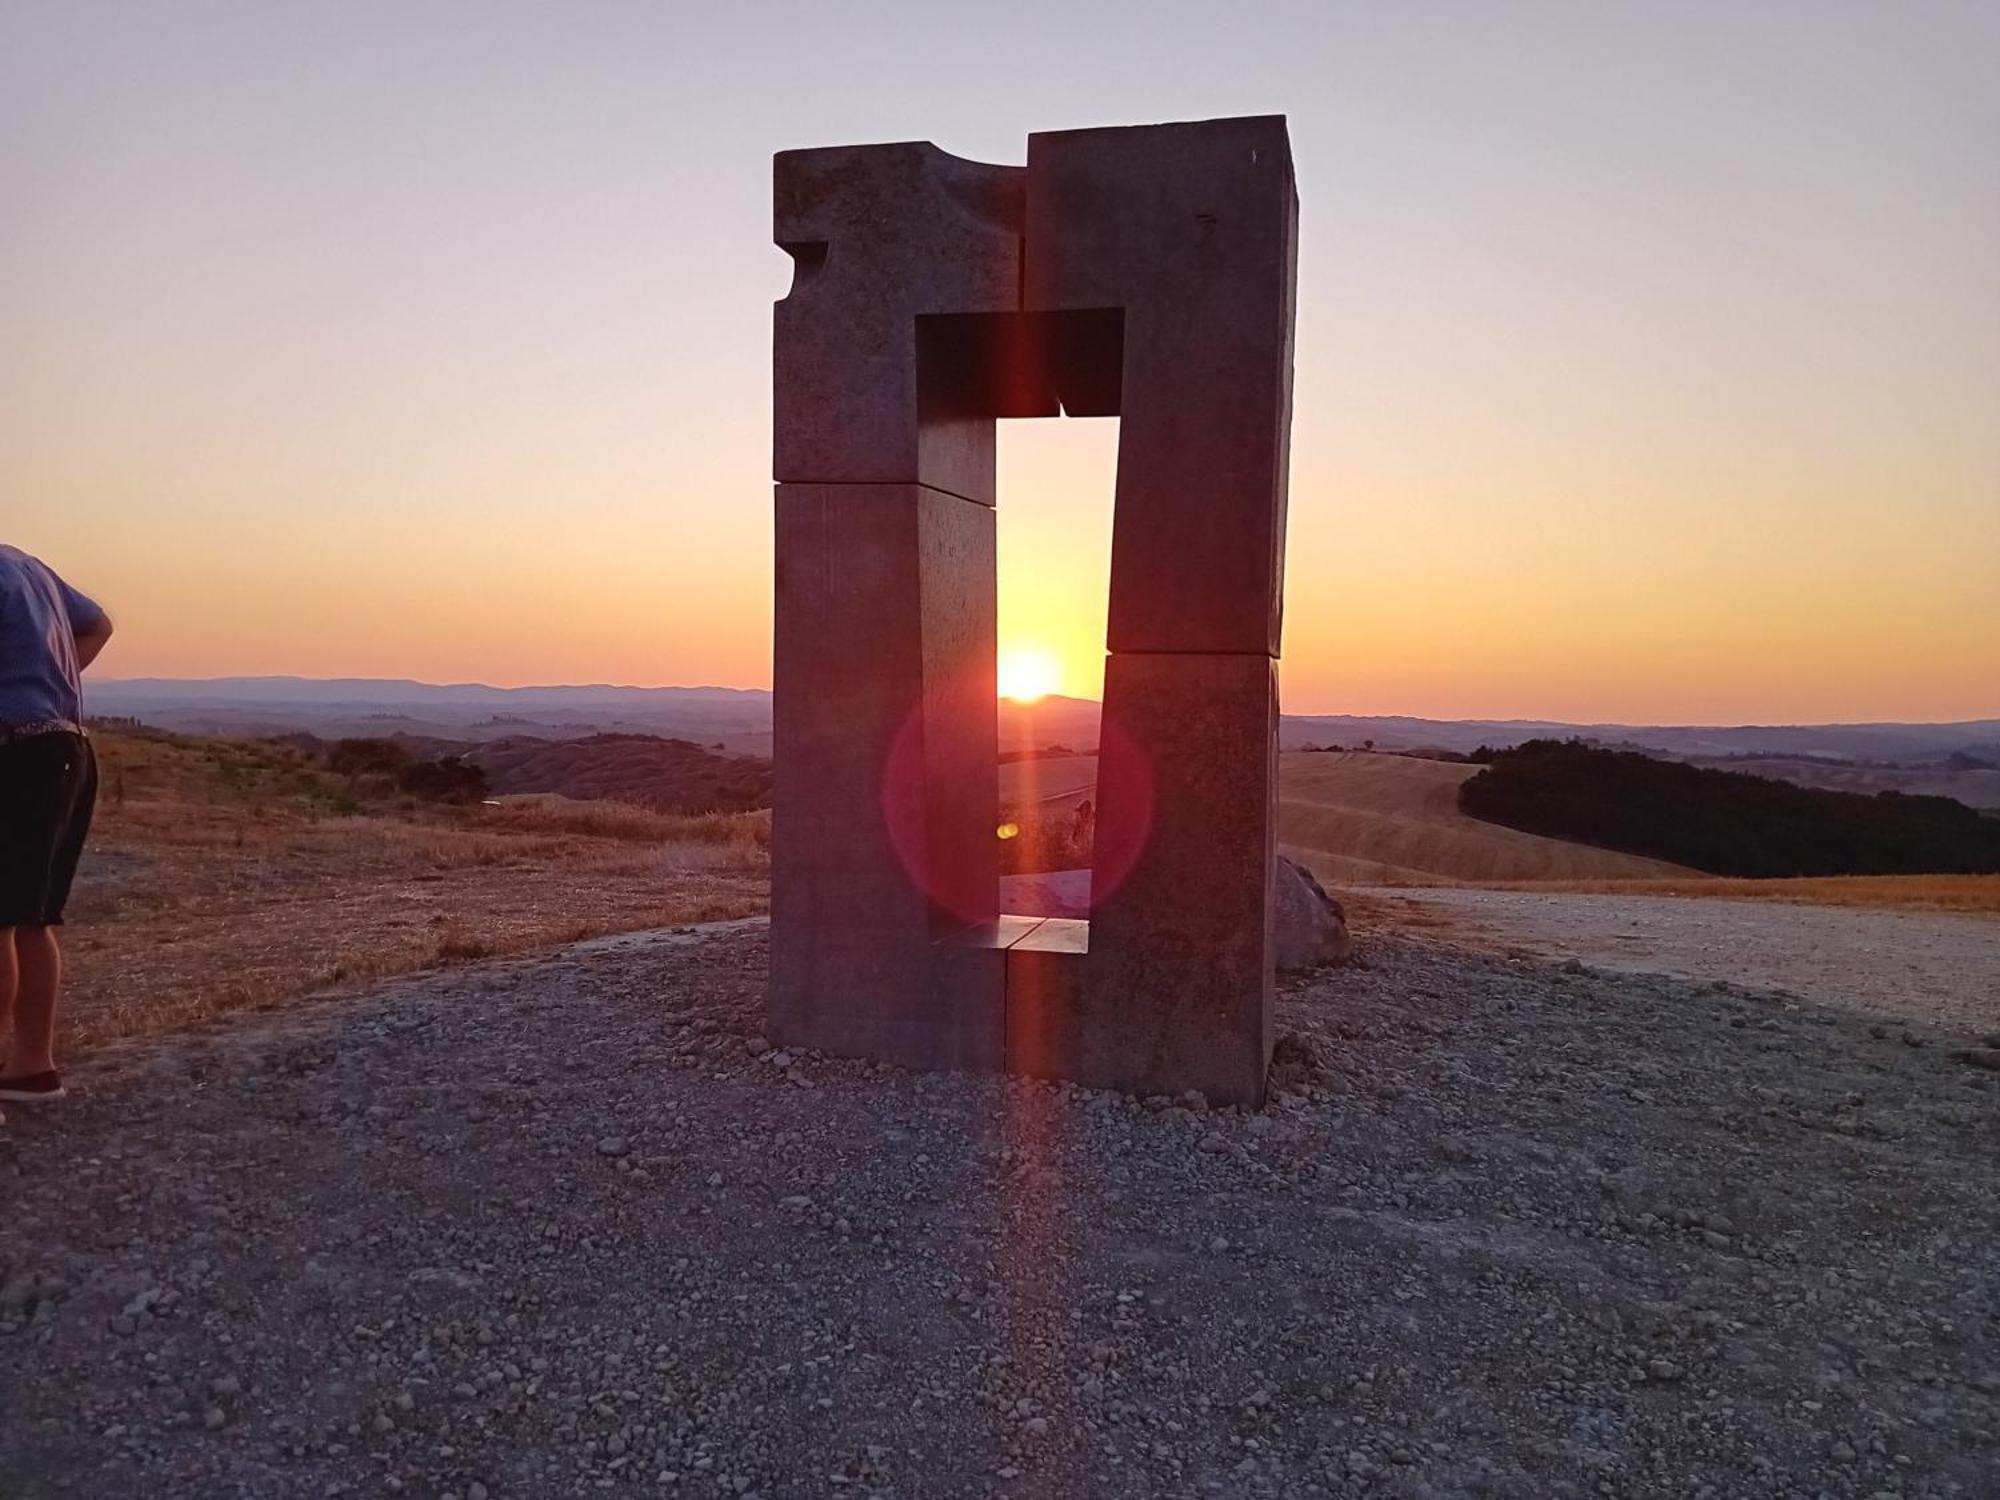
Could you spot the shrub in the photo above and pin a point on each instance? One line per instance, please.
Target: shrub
(367, 757)
(1725, 822)
(447, 780)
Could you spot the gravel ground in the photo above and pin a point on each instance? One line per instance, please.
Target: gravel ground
(563, 1226)
(1940, 967)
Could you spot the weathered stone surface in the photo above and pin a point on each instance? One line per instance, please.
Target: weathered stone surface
(885, 728)
(880, 235)
(1180, 946)
(1192, 229)
(1046, 999)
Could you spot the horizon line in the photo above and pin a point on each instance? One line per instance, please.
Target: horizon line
(716, 687)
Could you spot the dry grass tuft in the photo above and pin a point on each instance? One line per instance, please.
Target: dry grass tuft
(224, 876)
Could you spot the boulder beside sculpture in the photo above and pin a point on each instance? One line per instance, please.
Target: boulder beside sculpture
(1142, 272)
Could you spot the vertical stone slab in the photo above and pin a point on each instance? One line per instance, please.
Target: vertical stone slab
(885, 727)
(1052, 1031)
(1178, 978)
(1192, 229)
(880, 235)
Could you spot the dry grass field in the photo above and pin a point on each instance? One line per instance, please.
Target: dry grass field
(1356, 818)
(1056, 783)
(230, 875)
(1961, 893)
(222, 876)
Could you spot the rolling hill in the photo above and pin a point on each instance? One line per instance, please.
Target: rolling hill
(1354, 818)
(665, 775)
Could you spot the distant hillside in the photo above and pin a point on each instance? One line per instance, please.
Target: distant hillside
(666, 775)
(739, 721)
(1901, 743)
(1974, 785)
(1726, 822)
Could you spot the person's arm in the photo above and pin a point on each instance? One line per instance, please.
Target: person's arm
(91, 640)
(87, 622)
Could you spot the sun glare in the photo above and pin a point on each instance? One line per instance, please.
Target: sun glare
(1028, 673)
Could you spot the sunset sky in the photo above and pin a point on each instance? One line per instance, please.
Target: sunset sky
(1648, 355)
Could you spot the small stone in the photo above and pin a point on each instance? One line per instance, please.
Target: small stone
(213, 1419)
(612, 1145)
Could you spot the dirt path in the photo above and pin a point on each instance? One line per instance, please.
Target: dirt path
(1937, 967)
(555, 1227)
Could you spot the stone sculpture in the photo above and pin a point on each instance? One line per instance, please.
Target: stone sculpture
(1146, 273)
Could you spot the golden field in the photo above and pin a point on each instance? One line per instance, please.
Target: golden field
(222, 876)
(1357, 818)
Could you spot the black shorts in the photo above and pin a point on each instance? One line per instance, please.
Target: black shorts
(48, 789)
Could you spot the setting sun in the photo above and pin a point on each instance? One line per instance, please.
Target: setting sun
(1028, 673)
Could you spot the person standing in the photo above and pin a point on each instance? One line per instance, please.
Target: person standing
(49, 633)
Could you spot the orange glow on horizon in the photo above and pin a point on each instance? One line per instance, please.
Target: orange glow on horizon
(1028, 674)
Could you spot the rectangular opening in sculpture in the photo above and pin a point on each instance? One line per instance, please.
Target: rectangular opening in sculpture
(1053, 519)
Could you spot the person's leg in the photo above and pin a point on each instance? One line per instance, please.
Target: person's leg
(68, 794)
(38, 958)
(10, 983)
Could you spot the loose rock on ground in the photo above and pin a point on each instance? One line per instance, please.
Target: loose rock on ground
(566, 1227)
